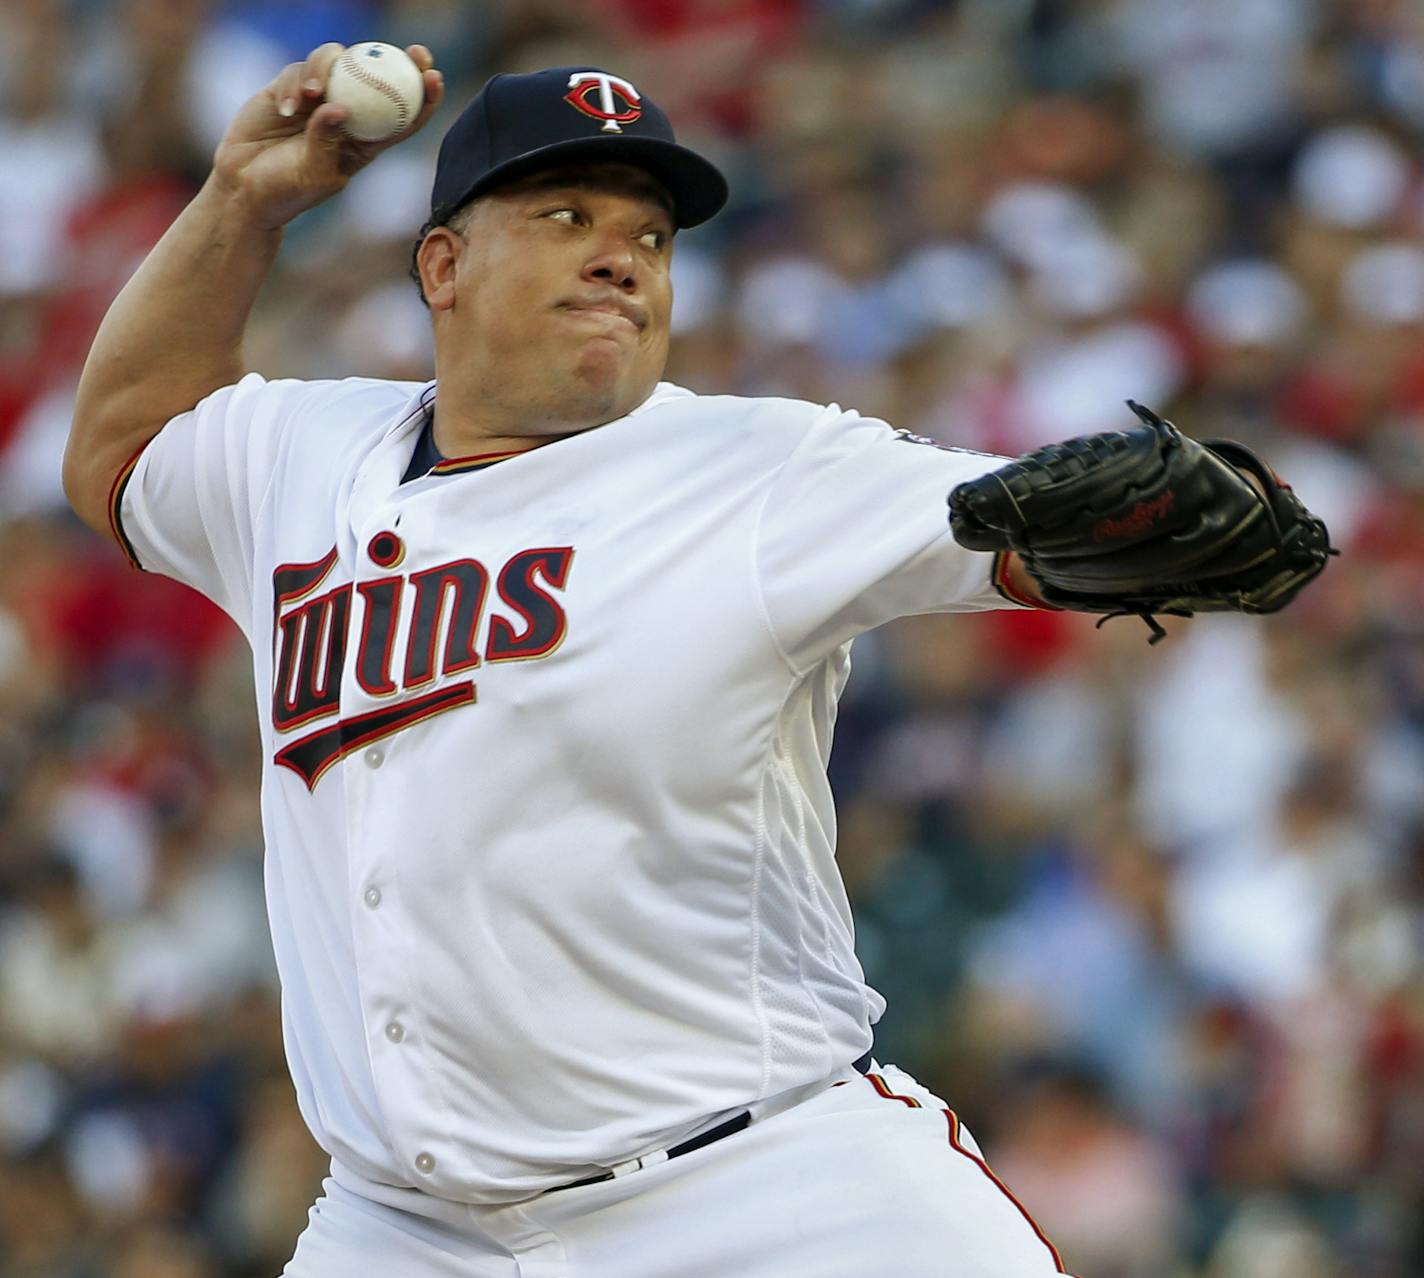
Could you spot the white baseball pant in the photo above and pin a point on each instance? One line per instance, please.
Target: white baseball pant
(869, 1177)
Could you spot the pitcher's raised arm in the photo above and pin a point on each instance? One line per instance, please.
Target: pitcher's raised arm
(174, 334)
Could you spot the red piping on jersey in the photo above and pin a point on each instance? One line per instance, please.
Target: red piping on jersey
(454, 465)
(116, 496)
(883, 1089)
(953, 1119)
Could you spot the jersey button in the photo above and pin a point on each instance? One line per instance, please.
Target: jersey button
(424, 1163)
(375, 757)
(372, 897)
(395, 1031)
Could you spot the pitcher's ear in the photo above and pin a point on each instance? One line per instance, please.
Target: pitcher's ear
(437, 260)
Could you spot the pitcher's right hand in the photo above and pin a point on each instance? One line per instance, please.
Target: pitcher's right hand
(285, 152)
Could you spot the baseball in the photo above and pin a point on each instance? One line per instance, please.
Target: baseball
(381, 88)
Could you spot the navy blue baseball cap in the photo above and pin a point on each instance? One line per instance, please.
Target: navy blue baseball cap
(519, 124)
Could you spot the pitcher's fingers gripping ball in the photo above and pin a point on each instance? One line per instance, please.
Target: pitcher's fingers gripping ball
(1146, 521)
(381, 88)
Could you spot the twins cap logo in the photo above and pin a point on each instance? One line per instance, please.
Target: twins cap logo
(581, 88)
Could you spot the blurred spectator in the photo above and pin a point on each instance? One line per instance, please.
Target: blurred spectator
(1269, 1239)
(56, 996)
(1098, 1186)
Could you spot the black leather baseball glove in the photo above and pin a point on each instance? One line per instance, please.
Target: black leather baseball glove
(1146, 521)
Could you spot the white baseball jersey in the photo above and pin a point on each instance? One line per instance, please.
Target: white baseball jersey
(550, 845)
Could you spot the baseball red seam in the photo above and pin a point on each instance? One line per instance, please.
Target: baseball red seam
(348, 61)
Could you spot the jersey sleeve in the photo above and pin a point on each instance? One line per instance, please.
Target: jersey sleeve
(855, 532)
(185, 506)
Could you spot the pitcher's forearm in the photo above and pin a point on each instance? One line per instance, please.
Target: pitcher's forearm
(175, 331)
(172, 336)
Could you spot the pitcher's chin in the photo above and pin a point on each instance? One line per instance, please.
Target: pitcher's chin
(611, 386)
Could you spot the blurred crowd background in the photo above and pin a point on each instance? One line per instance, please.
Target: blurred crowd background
(1150, 918)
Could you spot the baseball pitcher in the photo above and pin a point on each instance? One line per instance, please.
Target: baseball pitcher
(548, 653)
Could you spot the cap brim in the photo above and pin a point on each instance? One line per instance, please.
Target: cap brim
(697, 187)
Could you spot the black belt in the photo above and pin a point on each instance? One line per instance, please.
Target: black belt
(712, 1134)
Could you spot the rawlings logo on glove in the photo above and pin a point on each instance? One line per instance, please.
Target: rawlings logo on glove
(1146, 521)
(1143, 516)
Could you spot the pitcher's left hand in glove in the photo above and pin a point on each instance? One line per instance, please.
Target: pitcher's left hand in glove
(1146, 521)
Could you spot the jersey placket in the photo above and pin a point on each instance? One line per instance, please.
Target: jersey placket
(386, 934)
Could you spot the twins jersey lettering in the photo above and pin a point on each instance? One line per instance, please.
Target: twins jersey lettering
(550, 846)
(310, 637)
